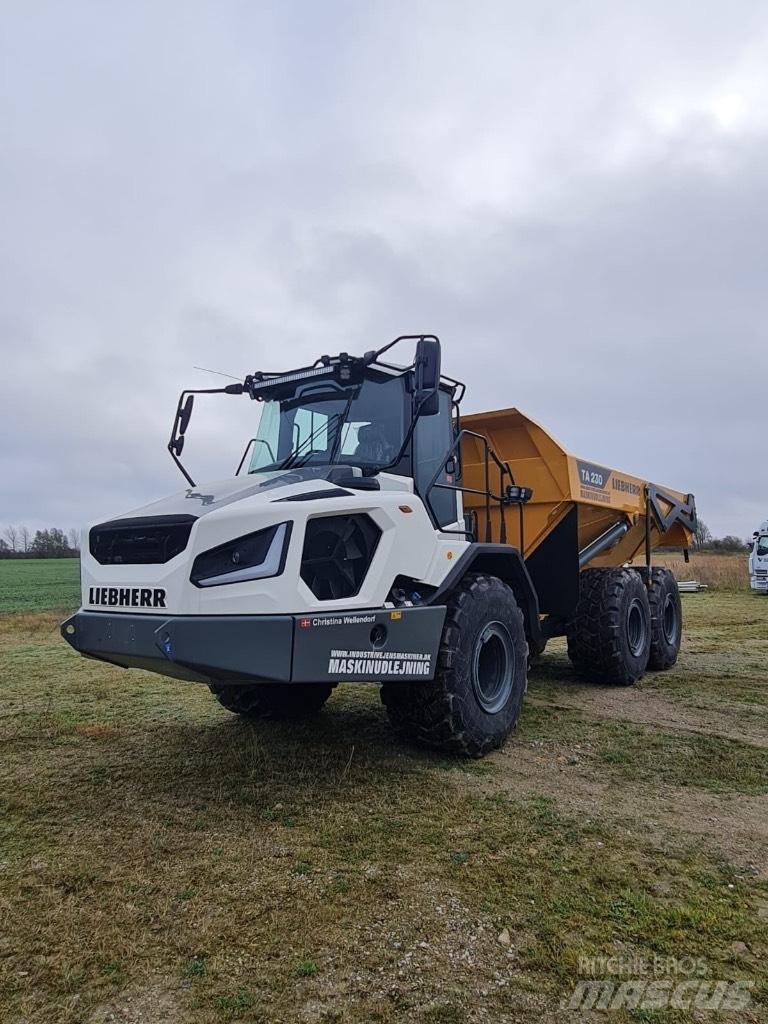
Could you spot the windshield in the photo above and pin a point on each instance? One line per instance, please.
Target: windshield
(326, 423)
(762, 545)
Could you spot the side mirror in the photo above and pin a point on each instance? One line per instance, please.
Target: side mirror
(184, 415)
(427, 366)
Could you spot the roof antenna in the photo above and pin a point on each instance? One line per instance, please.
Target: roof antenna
(217, 372)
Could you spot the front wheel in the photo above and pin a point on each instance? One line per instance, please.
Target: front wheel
(273, 700)
(474, 701)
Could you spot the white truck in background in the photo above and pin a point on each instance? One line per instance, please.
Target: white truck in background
(758, 559)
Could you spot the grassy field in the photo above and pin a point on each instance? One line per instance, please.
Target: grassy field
(30, 584)
(27, 584)
(162, 861)
(720, 572)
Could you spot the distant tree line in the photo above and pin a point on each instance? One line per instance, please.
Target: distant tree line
(704, 541)
(20, 542)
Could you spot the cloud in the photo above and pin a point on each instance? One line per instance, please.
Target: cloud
(573, 197)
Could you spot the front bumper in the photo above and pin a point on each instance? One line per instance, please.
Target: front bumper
(332, 647)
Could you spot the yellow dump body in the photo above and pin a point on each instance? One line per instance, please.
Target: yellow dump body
(562, 483)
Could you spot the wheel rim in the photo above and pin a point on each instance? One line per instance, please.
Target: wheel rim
(637, 628)
(493, 667)
(669, 620)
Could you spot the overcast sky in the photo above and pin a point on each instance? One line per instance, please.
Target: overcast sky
(573, 195)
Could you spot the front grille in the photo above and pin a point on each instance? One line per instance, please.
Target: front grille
(146, 540)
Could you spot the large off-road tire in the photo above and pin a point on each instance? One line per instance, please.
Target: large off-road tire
(666, 620)
(474, 701)
(609, 636)
(273, 700)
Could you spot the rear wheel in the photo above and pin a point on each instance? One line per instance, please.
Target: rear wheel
(475, 699)
(666, 620)
(609, 636)
(273, 700)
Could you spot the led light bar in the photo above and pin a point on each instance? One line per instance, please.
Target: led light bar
(289, 377)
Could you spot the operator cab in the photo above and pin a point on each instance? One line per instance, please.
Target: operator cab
(357, 412)
(372, 426)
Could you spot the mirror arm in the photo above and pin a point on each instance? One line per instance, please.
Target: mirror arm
(178, 462)
(230, 389)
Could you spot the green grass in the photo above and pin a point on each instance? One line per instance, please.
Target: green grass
(35, 584)
(160, 855)
(306, 969)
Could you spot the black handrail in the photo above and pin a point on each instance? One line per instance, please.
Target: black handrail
(500, 498)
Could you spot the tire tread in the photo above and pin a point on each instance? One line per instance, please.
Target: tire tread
(594, 632)
(663, 655)
(437, 714)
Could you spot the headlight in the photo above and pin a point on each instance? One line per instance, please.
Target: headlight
(253, 557)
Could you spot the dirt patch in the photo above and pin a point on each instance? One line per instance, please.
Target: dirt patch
(159, 1001)
(733, 825)
(640, 706)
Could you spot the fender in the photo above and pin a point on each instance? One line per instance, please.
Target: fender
(507, 563)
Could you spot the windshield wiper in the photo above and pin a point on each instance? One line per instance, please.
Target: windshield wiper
(342, 418)
(337, 442)
(292, 459)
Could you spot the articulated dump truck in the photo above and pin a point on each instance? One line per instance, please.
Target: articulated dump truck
(371, 533)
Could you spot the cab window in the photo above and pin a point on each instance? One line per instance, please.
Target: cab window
(432, 439)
